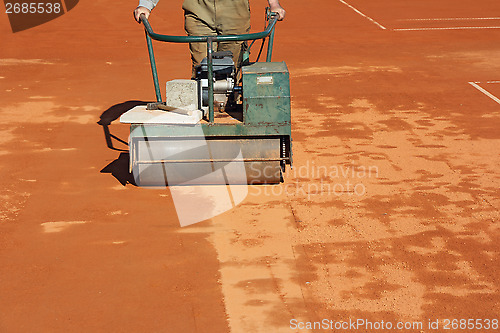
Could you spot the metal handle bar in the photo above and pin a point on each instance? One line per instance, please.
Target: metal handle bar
(218, 38)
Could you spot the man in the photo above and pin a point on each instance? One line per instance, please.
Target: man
(213, 17)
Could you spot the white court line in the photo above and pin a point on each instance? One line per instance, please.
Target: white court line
(428, 19)
(484, 91)
(453, 19)
(447, 28)
(365, 16)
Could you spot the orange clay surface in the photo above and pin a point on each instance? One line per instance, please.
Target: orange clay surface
(390, 213)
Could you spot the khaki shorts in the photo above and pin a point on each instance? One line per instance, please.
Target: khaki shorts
(216, 17)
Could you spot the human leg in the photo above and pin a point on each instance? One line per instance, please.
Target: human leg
(196, 27)
(232, 18)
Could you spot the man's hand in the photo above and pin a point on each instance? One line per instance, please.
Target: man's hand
(141, 10)
(276, 8)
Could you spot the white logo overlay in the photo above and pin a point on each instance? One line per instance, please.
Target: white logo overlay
(205, 177)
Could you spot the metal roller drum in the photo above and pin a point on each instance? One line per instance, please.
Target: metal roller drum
(206, 161)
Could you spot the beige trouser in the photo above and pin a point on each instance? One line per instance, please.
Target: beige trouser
(216, 17)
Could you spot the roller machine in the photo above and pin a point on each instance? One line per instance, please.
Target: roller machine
(227, 125)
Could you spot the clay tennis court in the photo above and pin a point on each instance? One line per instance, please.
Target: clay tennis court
(391, 212)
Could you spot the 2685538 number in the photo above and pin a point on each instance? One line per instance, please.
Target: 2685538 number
(470, 324)
(33, 8)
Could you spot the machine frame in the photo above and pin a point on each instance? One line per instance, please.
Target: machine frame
(278, 127)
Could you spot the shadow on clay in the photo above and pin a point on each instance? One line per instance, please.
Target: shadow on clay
(119, 168)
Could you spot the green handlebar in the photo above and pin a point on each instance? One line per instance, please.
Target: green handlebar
(204, 39)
